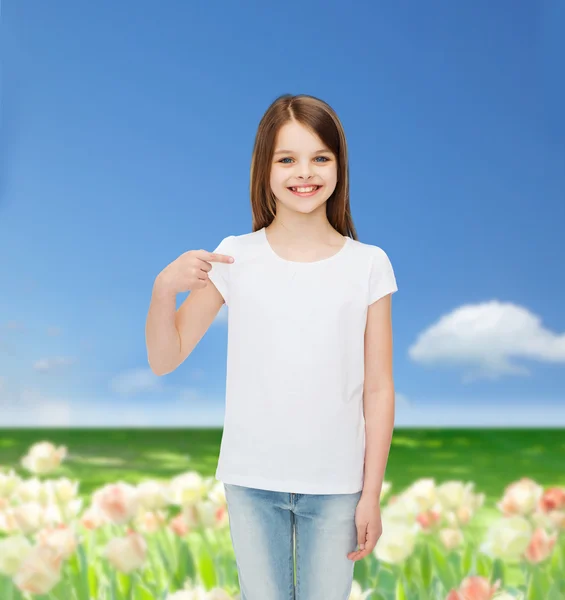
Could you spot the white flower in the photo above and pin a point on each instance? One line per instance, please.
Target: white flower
(508, 538)
(210, 515)
(181, 595)
(13, 550)
(521, 497)
(217, 494)
(423, 492)
(195, 593)
(507, 596)
(31, 490)
(357, 593)
(43, 457)
(29, 517)
(396, 543)
(63, 489)
(401, 509)
(454, 494)
(218, 594)
(188, 488)
(8, 483)
(127, 553)
(451, 537)
(40, 570)
(153, 495)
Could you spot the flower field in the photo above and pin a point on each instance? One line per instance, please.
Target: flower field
(166, 537)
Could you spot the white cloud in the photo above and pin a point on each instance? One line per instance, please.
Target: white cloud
(487, 340)
(55, 362)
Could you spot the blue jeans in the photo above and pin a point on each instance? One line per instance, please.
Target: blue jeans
(271, 531)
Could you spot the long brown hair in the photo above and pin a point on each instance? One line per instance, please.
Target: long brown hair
(317, 116)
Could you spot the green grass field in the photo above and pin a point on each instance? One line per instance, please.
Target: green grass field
(492, 458)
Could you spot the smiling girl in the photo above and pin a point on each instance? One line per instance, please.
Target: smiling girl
(309, 392)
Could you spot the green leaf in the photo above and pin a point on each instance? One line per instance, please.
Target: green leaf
(483, 566)
(443, 569)
(422, 593)
(400, 591)
(185, 566)
(467, 561)
(168, 566)
(498, 572)
(426, 566)
(411, 569)
(83, 591)
(113, 585)
(536, 586)
(555, 592)
(557, 563)
(6, 587)
(207, 570)
(361, 570)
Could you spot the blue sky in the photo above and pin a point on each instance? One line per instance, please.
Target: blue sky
(127, 132)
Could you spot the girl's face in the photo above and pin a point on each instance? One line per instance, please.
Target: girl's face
(301, 160)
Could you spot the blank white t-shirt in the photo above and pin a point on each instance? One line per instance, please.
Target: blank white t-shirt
(295, 364)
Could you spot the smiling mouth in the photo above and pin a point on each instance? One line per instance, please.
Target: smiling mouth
(295, 191)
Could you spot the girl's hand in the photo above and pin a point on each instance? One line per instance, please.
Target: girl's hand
(369, 526)
(189, 271)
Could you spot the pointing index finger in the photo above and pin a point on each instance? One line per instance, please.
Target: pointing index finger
(215, 257)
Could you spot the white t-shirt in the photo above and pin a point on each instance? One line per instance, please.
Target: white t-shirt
(295, 364)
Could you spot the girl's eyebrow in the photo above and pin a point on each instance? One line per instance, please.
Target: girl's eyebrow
(292, 152)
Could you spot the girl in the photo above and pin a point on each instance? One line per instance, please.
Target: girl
(309, 393)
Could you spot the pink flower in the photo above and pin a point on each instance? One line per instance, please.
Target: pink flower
(151, 520)
(428, 519)
(119, 502)
(127, 553)
(552, 499)
(93, 518)
(40, 571)
(61, 538)
(474, 588)
(540, 546)
(179, 525)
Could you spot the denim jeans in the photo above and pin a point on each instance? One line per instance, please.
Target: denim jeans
(271, 532)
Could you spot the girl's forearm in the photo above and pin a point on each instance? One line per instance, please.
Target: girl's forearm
(379, 425)
(161, 334)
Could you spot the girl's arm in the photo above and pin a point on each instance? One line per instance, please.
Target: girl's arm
(170, 334)
(378, 395)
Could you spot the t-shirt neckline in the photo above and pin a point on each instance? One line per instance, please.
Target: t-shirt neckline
(300, 263)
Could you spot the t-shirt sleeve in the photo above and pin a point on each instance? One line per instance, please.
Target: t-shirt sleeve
(382, 279)
(219, 274)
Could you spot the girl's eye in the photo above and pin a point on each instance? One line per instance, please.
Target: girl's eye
(287, 158)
